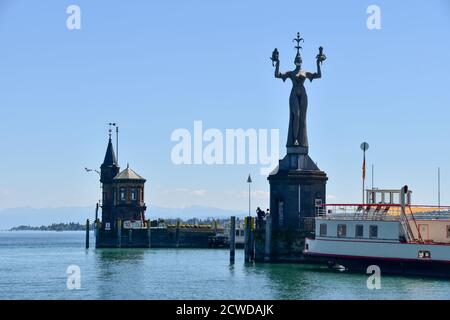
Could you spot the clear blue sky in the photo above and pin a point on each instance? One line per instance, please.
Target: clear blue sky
(155, 66)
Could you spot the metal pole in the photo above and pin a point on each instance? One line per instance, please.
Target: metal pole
(439, 187)
(372, 176)
(117, 142)
(364, 176)
(249, 206)
(249, 181)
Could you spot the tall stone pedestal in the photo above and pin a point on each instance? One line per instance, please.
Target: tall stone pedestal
(297, 186)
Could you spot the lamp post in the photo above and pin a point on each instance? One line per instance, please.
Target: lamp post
(249, 181)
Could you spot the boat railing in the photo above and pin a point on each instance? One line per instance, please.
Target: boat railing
(380, 211)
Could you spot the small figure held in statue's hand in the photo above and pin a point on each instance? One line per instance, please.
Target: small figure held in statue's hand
(321, 57)
(275, 57)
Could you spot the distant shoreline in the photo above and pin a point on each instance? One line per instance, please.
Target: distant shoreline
(72, 226)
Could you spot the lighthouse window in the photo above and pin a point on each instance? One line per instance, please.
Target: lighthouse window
(373, 231)
(342, 230)
(359, 231)
(123, 194)
(134, 194)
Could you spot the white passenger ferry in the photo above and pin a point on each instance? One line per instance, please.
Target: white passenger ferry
(392, 234)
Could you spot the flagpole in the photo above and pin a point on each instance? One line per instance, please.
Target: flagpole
(363, 175)
(439, 187)
(364, 148)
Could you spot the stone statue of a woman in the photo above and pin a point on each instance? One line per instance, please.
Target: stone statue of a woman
(298, 100)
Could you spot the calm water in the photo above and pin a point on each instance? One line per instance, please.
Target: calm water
(33, 266)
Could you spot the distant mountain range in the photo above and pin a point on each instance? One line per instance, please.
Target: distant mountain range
(27, 216)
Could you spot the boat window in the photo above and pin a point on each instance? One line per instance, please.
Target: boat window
(359, 231)
(323, 229)
(342, 230)
(448, 231)
(373, 232)
(237, 233)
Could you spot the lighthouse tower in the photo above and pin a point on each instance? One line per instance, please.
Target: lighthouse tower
(108, 170)
(123, 192)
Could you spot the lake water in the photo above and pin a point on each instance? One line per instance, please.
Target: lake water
(33, 266)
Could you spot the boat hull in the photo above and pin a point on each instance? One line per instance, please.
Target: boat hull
(391, 258)
(412, 268)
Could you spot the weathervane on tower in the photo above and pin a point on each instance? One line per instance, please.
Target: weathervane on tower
(114, 124)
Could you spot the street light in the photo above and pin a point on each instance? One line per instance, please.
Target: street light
(90, 170)
(93, 170)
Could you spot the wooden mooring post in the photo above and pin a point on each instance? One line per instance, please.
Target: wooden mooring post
(119, 233)
(87, 234)
(149, 233)
(247, 238)
(97, 229)
(177, 234)
(251, 251)
(268, 239)
(232, 238)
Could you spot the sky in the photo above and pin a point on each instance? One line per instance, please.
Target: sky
(158, 66)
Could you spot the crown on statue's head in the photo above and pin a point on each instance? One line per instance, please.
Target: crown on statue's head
(298, 57)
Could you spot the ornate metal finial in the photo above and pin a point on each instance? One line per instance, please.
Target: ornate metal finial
(110, 130)
(298, 40)
(111, 124)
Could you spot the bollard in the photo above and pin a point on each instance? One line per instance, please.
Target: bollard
(87, 234)
(232, 238)
(149, 233)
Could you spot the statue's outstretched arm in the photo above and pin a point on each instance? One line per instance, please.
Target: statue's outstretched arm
(317, 75)
(278, 74)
